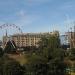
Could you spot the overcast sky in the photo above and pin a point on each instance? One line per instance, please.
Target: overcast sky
(38, 15)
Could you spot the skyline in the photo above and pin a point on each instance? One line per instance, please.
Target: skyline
(38, 15)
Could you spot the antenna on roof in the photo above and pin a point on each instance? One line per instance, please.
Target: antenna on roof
(67, 20)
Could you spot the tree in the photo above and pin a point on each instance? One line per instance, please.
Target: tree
(72, 54)
(10, 67)
(50, 42)
(49, 57)
(1, 52)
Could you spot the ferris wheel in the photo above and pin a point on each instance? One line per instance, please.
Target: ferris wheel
(10, 25)
(6, 31)
(10, 29)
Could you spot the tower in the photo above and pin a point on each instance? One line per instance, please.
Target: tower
(74, 36)
(6, 33)
(5, 39)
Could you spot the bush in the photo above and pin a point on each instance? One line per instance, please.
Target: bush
(10, 67)
(1, 52)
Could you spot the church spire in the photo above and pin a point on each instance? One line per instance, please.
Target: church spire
(6, 33)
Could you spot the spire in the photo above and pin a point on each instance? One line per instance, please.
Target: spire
(74, 31)
(6, 32)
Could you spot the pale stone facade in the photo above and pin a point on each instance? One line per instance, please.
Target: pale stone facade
(30, 39)
(71, 39)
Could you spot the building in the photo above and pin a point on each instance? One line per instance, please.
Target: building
(71, 39)
(64, 40)
(30, 39)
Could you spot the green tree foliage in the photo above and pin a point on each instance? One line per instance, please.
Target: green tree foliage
(1, 52)
(49, 59)
(50, 42)
(72, 54)
(10, 67)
